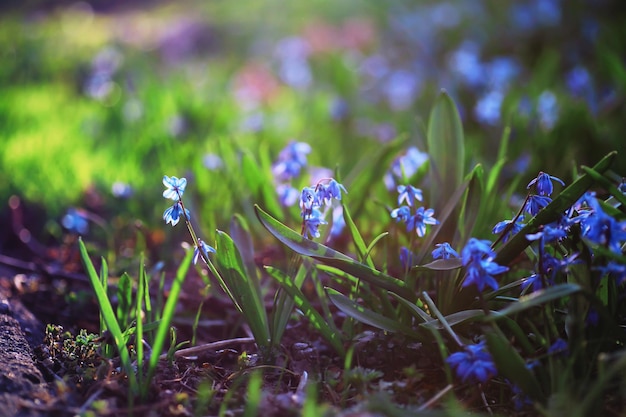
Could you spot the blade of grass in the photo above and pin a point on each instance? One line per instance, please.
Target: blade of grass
(327, 330)
(168, 314)
(108, 315)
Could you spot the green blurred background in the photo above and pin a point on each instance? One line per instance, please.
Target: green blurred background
(98, 100)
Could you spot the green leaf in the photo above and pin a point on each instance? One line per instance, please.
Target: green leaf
(108, 316)
(443, 216)
(331, 257)
(169, 310)
(516, 245)
(472, 203)
(606, 183)
(241, 235)
(327, 331)
(359, 243)
(441, 265)
(413, 309)
(367, 316)
(536, 299)
(446, 148)
(243, 290)
(124, 299)
(511, 365)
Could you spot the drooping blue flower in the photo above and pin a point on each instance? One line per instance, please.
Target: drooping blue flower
(602, 229)
(312, 222)
(512, 230)
(559, 347)
(420, 219)
(404, 166)
(481, 274)
(548, 234)
(616, 270)
(287, 195)
(308, 198)
(473, 364)
(475, 250)
(174, 187)
(326, 192)
(172, 214)
(291, 160)
(410, 194)
(543, 183)
(444, 251)
(206, 249)
(401, 214)
(407, 258)
(536, 203)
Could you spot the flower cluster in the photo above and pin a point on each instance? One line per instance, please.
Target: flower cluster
(174, 190)
(289, 165)
(473, 364)
(314, 198)
(477, 257)
(420, 218)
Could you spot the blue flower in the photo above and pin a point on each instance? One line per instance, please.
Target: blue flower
(312, 222)
(602, 229)
(548, 234)
(206, 249)
(172, 214)
(407, 258)
(401, 214)
(475, 250)
(444, 251)
(543, 183)
(558, 347)
(409, 193)
(308, 198)
(420, 219)
(329, 191)
(287, 195)
(481, 274)
(616, 270)
(512, 230)
(174, 187)
(75, 221)
(474, 364)
(536, 203)
(291, 160)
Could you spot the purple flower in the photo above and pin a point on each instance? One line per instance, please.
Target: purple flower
(172, 214)
(543, 183)
(206, 249)
(409, 193)
(420, 219)
(473, 364)
(602, 229)
(444, 251)
(174, 187)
